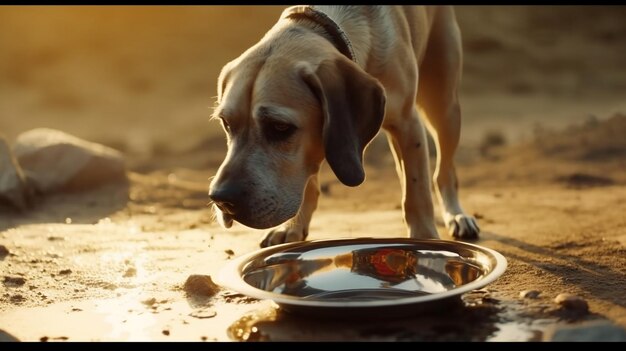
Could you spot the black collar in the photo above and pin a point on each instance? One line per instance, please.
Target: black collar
(339, 37)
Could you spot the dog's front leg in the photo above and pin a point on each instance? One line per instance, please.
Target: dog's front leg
(297, 228)
(410, 149)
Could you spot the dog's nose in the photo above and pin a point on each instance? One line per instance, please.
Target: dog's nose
(225, 197)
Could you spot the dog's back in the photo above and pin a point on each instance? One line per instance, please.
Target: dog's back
(320, 85)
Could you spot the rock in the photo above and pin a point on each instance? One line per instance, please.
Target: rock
(6, 337)
(203, 313)
(15, 189)
(130, 272)
(14, 281)
(65, 271)
(200, 285)
(54, 160)
(589, 331)
(149, 302)
(529, 294)
(17, 298)
(4, 251)
(571, 302)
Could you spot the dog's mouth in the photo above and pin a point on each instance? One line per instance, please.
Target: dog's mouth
(226, 219)
(223, 218)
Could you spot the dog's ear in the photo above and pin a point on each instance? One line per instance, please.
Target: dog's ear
(353, 104)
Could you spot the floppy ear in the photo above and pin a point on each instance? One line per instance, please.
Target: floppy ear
(353, 104)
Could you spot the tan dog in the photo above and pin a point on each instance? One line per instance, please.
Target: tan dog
(319, 85)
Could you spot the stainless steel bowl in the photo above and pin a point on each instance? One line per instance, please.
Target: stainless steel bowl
(364, 276)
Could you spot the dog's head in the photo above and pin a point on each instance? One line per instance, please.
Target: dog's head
(286, 104)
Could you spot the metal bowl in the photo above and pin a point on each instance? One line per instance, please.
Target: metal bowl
(364, 276)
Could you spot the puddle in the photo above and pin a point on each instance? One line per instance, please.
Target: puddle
(133, 316)
(478, 317)
(136, 315)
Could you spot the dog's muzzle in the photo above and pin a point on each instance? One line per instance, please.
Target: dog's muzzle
(225, 198)
(234, 202)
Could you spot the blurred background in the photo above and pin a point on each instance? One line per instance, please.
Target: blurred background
(143, 79)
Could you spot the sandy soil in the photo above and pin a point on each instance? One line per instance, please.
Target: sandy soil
(541, 164)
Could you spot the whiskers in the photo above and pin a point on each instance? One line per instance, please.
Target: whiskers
(213, 212)
(211, 203)
(214, 113)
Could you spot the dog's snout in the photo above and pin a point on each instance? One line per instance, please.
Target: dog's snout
(225, 197)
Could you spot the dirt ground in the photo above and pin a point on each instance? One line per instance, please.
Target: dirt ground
(542, 165)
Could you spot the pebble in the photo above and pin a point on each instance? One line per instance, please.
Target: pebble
(529, 294)
(19, 281)
(203, 285)
(4, 251)
(130, 272)
(149, 302)
(17, 298)
(572, 302)
(203, 313)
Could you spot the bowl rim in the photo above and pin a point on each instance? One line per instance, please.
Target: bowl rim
(230, 275)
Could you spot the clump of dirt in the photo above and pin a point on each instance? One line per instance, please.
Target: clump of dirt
(14, 281)
(200, 285)
(4, 251)
(572, 302)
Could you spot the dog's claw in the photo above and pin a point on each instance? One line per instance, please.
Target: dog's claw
(463, 227)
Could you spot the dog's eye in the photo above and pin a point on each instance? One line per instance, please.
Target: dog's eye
(278, 131)
(281, 127)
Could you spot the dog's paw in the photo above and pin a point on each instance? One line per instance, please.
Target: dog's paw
(462, 226)
(281, 236)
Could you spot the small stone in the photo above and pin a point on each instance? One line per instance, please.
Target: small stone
(65, 271)
(17, 298)
(130, 272)
(44, 339)
(571, 302)
(4, 251)
(203, 313)
(202, 285)
(14, 281)
(229, 252)
(165, 332)
(149, 302)
(529, 294)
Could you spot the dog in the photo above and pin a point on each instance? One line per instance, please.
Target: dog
(320, 85)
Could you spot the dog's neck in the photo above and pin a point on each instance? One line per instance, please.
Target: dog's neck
(341, 25)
